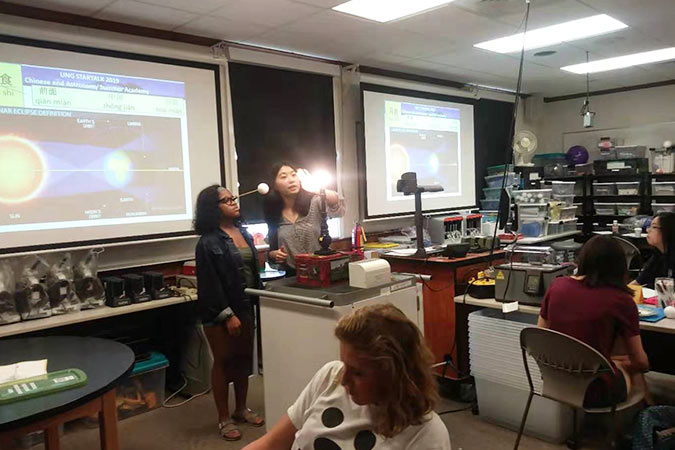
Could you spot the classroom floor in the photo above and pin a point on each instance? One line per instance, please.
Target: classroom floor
(192, 427)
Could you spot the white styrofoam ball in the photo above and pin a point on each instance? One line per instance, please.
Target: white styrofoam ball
(263, 188)
(669, 312)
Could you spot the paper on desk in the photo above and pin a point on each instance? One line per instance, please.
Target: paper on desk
(411, 251)
(648, 293)
(23, 370)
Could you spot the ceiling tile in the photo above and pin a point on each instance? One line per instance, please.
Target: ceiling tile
(465, 27)
(321, 3)
(68, 6)
(220, 28)
(512, 12)
(200, 6)
(622, 42)
(136, 13)
(544, 14)
(653, 18)
(271, 13)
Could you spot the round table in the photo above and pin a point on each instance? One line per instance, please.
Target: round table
(104, 362)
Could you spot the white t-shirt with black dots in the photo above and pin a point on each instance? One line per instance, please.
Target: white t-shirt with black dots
(328, 419)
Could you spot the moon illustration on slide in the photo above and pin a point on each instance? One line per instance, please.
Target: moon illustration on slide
(22, 169)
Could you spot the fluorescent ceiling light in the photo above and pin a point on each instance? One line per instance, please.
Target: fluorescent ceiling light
(388, 10)
(621, 62)
(555, 34)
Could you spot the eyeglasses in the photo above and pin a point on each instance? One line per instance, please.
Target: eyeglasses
(228, 200)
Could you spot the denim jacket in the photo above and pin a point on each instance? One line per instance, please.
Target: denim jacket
(220, 278)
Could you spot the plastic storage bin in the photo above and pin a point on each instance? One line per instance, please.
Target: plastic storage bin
(631, 151)
(569, 225)
(490, 205)
(605, 209)
(579, 188)
(628, 188)
(532, 226)
(498, 170)
(663, 188)
(604, 188)
(627, 209)
(562, 187)
(568, 212)
(658, 208)
(621, 166)
(489, 216)
(566, 199)
(495, 193)
(554, 164)
(579, 209)
(501, 383)
(531, 196)
(533, 210)
(495, 181)
(144, 389)
(554, 228)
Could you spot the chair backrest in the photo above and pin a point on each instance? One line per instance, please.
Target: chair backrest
(567, 365)
(629, 249)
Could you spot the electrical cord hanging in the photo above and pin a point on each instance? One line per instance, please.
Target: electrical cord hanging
(508, 157)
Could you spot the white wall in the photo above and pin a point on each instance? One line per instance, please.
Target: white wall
(617, 114)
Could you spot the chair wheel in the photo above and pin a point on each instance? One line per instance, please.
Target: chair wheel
(572, 444)
(474, 409)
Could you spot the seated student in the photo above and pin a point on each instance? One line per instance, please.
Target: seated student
(597, 308)
(380, 395)
(660, 235)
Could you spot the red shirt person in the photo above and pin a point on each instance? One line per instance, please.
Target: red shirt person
(597, 308)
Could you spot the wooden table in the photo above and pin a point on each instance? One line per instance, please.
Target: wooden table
(662, 326)
(104, 362)
(438, 293)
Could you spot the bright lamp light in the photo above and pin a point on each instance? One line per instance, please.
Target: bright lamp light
(388, 10)
(555, 34)
(621, 62)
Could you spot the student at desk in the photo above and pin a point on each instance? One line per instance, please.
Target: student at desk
(661, 236)
(597, 308)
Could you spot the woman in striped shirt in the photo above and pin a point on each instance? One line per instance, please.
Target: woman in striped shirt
(293, 215)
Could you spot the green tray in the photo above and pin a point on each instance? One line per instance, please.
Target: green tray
(58, 381)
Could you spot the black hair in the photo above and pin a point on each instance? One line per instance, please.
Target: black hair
(603, 263)
(667, 224)
(273, 204)
(207, 211)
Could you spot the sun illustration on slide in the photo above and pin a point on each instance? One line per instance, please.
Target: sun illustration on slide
(22, 169)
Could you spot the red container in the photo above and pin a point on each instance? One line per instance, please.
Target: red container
(321, 271)
(189, 268)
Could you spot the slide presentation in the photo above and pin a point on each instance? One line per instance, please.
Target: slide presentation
(434, 139)
(91, 155)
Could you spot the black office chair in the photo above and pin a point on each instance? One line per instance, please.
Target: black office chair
(633, 256)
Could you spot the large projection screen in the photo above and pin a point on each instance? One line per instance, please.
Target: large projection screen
(99, 146)
(433, 138)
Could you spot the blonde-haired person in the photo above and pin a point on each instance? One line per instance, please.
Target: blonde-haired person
(380, 395)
